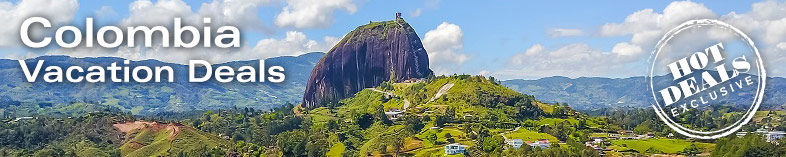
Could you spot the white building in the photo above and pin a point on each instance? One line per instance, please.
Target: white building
(515, 143)
(770, 136)
(542, 143)
(20, 118)
(455, 148)
(597, 141)
(394, 115)
(773, 136)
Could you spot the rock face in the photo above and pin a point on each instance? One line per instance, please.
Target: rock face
(365, 58)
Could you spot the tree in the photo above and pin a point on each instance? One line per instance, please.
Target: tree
(440, 121)
(449, 138)
(432, 137)
(397, 142)
(643, 128)
(386, 86)
(392, 78)
(380, 115)
(365, 121)
(332, 125)
(691, 150)
(652, 150)
(318, 143)
(493, 143)
(582, 124)
(292, 143)
(493, 80)
(412, 124)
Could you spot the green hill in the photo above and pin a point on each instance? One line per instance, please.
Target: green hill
(419, 117)
(155, 139)
(472, 97)
(412, 118)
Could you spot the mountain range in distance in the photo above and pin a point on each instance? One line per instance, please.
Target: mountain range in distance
(20, 97)
(591, 93)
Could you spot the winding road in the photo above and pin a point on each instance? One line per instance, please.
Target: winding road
(442, 91)
(406, 102)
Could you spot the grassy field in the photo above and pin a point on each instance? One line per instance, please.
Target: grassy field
(337, 150)
(430, 152)
(596, 122)
(759, 115)
(320, 115)
(455, 133)
(546, 107)
(435, 148)
(160, 142)
(365, 101)
(147, 142)
(599, 135)
(528, 135)
(668, 146)
(551, 121)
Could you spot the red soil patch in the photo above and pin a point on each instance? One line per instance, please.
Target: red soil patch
(175, 130)
(131, 127)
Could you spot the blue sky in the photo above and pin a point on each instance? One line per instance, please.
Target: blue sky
(493, 33)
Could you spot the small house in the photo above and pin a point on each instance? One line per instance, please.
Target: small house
(394, 115)
(455, 148)
(542, 143)
(614, 136)
(770, 136)
(515, 143)
(773, 136)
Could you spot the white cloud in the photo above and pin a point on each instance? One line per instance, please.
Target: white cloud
(160, 13)
(647, 26)
(416, 13)
(562, 32)
(626, 49)
(484, 73)
(782, 46)
(572, 60)
(445, 47)
(240, 13)
(649, 20)
(106, 11)
(312, 14)
(626, 58)
(58, 12)
(295, 43)
(521, 59)
(765, 23)
(163, 12)
(639, 21)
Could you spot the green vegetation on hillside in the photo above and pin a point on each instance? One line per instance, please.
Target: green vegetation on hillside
(88, 135)
(669, 146)
(399, 119)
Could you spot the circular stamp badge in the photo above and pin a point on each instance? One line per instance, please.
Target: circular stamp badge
(707, 79)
